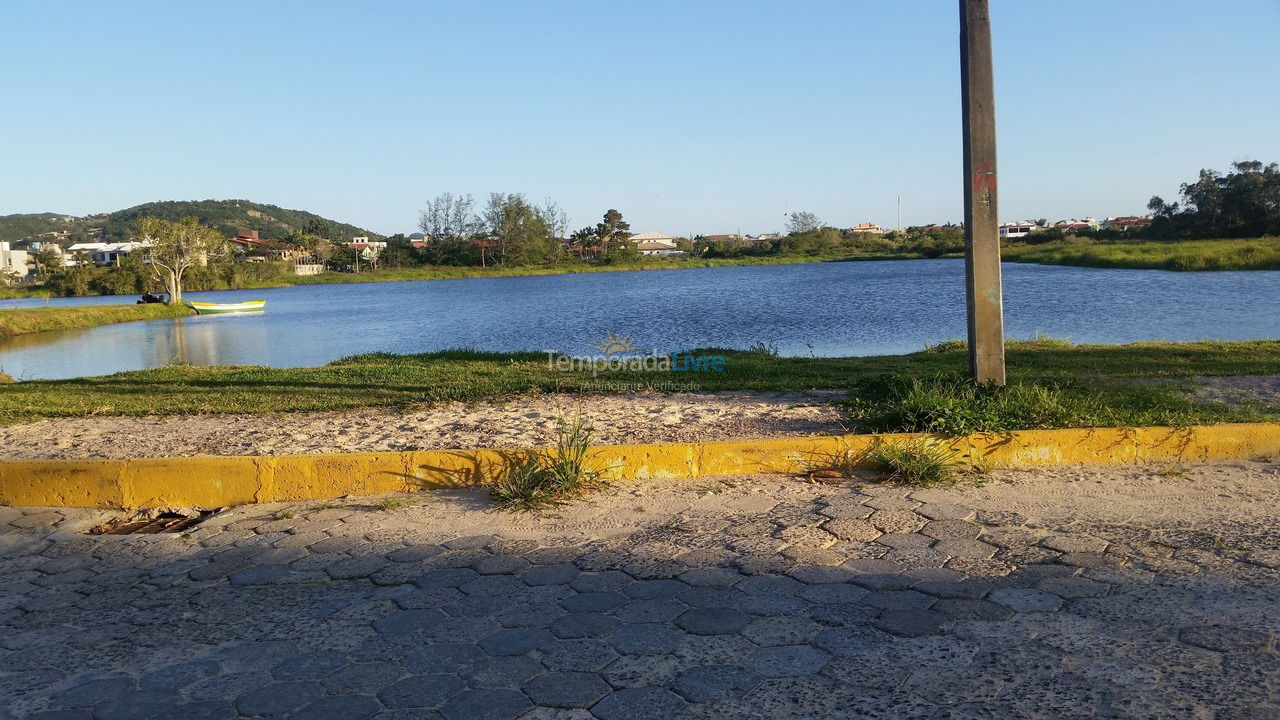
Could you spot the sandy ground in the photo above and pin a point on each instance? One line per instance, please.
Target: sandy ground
(1263, 389)
(521, 422)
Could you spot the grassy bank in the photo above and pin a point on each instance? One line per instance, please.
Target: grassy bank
(21, 321)
(1053, 385)
(449, 272)
(1250, 254)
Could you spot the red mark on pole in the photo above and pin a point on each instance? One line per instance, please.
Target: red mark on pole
(984, 178)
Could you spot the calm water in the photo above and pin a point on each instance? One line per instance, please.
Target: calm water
(854, 308)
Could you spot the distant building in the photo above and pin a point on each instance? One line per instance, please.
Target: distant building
(13, 264)
(247, 239)
(655, 237)
(656, 243)
(1126, 222)
(418, 240)
(867, 227)
(1017, 229)
(1073, 225)
(721, 238)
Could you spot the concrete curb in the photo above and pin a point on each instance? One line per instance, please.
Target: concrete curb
(210, 481)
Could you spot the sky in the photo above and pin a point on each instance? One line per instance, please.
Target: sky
(689, 117)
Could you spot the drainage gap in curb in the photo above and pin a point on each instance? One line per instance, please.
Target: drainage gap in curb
(167, 522)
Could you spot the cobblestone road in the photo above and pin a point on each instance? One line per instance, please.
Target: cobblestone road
(706, 601)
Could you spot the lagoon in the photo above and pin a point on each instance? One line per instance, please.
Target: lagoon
(823, 309)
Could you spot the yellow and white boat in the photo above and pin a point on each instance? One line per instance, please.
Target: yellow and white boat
(205, 308)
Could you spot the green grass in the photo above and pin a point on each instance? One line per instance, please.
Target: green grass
(21, 321)
(1250, 254)
(542, 478)
(922, 463)
(1078, 385)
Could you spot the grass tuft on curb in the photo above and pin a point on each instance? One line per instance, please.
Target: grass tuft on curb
(543, 478)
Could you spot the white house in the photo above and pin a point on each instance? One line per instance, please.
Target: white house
(1017, 229)
(102, 253)
(656, 243)
(13, 264)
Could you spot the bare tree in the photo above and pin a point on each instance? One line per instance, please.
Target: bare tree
(802, 222)
(449, 217)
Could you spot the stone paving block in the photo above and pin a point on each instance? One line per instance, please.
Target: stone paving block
(951, 530)
(593, 601)
(501, 565)
(491, 586)
(833, 593)
(418, 691)
(783, 630)
(1074, 543)
(516, 642)
(558, 574)
(583, 625)
(898, 599)
(712, 597)
(567, 689)
(769, 585)
(645, 639)
(408, 622)
(339, 707)
(710, 683)
(93, 692)
(136, 705)
(278, 698)
(1086, 559)
(442, 658)
(583, 655)
(896, 521)
(259, 575)
(356, 567)
(709, 577)
(713, 621)
(362, 678)
(176, 677)
(503, 672)
(1072, 587)
(891, 501)
(310, 666)
(855, 529)
(1226, 638)
(913, 622)
(485, 705)
(639, 704)
(970, 609)
(945, 511)
(787, 661)
(1025, 599)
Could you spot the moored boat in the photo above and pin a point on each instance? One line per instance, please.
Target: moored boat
(206, 308)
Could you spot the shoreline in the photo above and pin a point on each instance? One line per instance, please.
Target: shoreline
(28, 321)
(1243, 255)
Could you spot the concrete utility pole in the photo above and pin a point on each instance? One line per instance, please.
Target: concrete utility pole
(981, 220)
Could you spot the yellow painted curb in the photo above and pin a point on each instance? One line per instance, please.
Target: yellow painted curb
(210, 481)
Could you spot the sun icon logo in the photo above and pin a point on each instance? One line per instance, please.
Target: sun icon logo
(614, 344)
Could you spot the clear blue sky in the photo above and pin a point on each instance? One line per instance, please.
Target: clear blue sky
(687, 116)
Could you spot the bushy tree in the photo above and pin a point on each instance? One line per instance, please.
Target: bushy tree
(173, 248)
(1242, 203)
(613, 235)
(520, 231)
(802, 221)
(449, 217)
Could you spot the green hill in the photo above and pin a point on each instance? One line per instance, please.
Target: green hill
(227, 216)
